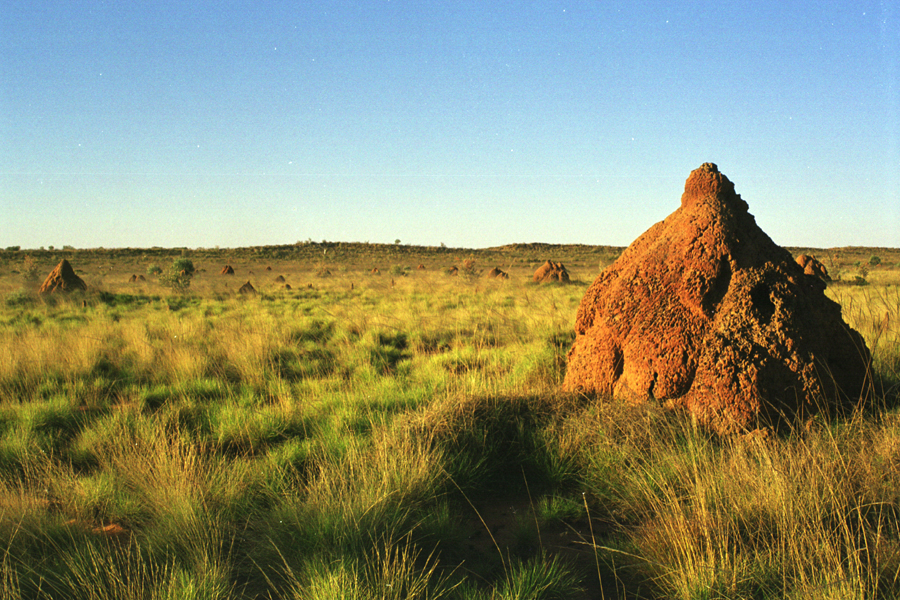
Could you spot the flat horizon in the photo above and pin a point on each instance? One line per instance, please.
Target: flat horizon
(402, 244)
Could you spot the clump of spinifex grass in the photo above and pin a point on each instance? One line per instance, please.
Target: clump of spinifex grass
(149, 480)
(391, 570)
(811, 515)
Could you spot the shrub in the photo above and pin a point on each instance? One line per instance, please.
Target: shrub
(154, 269)
(179, 275)
(874, 261)
(30, 269)
(183, 264)
(469, 271)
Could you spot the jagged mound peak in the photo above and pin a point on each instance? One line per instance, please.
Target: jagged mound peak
(707, 183)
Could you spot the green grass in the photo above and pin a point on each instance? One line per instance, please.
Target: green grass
(363, 438)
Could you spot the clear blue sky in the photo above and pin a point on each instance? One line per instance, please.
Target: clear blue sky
(466, 123)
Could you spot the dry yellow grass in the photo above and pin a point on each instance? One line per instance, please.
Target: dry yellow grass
(318, 439)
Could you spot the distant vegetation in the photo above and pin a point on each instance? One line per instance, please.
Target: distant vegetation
(403, 436)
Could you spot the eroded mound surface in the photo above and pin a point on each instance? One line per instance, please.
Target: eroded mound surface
(704, 311)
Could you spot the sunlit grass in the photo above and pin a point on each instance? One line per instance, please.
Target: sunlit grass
(342, 438)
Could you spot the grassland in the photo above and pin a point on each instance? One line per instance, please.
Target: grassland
(403, 435)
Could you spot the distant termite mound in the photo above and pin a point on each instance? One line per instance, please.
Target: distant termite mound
(705, 312)
(247, 288)
(62, 279)
(496, 273)
(551, 272)
(227, 270)
(812, 266)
